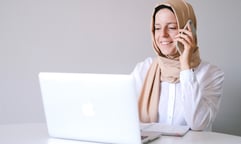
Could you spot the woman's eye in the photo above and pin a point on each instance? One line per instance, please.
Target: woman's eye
(157, 28)
(173, 28)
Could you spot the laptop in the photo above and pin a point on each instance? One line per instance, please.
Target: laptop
(92, 107)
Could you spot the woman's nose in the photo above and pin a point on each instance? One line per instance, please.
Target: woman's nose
(164, 32)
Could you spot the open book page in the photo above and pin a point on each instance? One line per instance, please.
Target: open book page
(168, 130)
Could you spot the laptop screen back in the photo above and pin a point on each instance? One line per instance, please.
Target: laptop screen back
(91, 107)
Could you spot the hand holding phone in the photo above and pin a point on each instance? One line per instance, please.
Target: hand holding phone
(180, 46)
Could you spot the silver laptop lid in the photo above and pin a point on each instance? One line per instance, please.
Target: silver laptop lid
(91, 107)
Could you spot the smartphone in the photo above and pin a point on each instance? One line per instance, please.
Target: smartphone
(180, 46)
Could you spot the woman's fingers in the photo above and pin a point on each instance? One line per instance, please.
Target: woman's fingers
(186, 38)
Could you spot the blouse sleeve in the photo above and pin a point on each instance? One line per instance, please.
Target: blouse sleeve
(201, 95)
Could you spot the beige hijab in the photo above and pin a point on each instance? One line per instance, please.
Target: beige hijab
(164, 68)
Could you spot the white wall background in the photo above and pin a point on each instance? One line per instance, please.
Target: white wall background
(104, 36)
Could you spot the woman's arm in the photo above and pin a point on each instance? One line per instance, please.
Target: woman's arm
(201, 93)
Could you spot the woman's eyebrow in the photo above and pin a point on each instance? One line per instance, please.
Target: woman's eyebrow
(172, 23)
(157, 24)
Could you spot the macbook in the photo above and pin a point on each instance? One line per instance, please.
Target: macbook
(91, 107)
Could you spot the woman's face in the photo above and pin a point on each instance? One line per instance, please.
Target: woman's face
(165, 31)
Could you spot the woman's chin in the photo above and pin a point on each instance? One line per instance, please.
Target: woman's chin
(170, 54)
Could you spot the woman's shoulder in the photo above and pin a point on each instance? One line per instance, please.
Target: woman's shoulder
(208, 68)
(145, 64)
(142, 67)
(146, 61)
(207, 65)
(140, 72)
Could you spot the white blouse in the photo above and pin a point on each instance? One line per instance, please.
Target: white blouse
(194, 101)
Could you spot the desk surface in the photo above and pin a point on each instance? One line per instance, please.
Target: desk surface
(37, 134)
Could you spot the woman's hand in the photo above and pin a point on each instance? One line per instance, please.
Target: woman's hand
(186, 37)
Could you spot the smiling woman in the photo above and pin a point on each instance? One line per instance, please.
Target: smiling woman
(177, 88)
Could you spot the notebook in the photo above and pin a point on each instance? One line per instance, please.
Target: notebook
(165, 129)
(92, 107)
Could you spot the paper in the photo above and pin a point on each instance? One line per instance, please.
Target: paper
(168, 130)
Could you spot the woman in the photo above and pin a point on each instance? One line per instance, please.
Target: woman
(177, 88)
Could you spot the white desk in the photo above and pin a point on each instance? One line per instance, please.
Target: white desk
(37, 134)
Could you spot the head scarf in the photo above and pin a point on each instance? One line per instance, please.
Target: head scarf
(164, 68)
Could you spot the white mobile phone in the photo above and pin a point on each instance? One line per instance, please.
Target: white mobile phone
(180, 46)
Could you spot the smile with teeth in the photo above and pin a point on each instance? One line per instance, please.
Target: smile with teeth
(165, 42)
